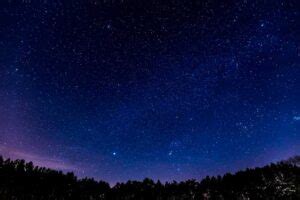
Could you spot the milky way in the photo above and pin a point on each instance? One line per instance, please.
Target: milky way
(129, 89)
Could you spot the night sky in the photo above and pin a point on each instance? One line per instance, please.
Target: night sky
(170, 90)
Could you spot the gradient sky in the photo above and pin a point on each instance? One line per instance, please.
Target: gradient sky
(129, 89)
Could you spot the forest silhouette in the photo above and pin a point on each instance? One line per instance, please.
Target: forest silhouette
(22, 180)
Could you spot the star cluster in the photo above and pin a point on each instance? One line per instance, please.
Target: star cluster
(129, 89)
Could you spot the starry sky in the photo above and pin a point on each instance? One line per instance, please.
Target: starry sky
(171, 90)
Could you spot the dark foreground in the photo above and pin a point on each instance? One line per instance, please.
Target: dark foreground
(20, 180)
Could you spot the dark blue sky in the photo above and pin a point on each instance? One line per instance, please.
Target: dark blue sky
(129, 89)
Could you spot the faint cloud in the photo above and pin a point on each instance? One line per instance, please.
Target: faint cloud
(38, 160)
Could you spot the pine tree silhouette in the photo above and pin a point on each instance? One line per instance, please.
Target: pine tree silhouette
(24, 181)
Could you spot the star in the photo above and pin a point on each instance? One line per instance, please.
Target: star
(296, 118)
(111, 89)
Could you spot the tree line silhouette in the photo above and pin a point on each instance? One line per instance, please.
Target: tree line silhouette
(20, 180)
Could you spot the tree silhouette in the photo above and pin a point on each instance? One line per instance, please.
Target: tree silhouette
(24, 181)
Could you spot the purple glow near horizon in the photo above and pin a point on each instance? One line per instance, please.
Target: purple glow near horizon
(170, 91)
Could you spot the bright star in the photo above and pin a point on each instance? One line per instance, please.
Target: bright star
(297, 118)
